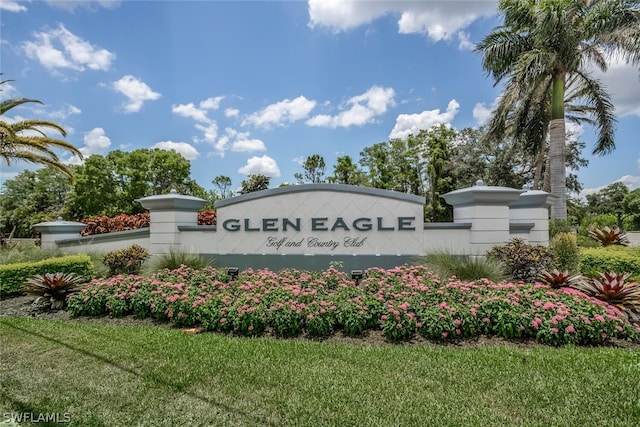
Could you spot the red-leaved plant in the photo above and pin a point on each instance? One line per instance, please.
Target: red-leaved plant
(612, 288)
(53, 288)
(558, 279)
(607, 236)
(123, 222)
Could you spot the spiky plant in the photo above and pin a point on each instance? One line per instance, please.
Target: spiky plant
(612, 288)
(607, 236)
(558, 279)
(53, 288)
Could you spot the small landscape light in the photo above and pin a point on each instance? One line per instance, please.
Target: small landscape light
(233, 272)
(357, 275)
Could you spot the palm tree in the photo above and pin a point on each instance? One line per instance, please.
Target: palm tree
(546, 46)
(26, 140)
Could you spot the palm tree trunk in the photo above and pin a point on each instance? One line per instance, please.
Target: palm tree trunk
(557, 150)
(557, 160)
(537, 177)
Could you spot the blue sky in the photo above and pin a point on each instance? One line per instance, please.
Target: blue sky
(241, 87)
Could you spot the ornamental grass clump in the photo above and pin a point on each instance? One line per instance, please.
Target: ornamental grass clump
(403, 303)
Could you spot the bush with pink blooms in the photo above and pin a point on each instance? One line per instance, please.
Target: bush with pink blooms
(402, 302)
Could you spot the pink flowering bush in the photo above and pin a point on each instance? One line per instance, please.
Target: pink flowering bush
(403, 302)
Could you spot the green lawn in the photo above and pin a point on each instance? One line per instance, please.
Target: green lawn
(108, 375)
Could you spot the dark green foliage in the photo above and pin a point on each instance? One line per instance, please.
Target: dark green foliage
(611, 258)
(32, 197)
(522, 261)
(126, 261)
(566, 252)
(255, 182)
(314, 167)
(13, 276)
(559, 226)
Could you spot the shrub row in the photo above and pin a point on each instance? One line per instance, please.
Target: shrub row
(617, 259)
(13, 276)
(402, 302)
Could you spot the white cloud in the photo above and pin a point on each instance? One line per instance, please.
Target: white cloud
(184, 149)
(621, 82)
(66, 111)
(285, 111)
(439, 20)
(341, 15)
(95, 141)
(231, 112)
(9, 91)
(59, 48)
(136, 90)
(209, 132)
(12, 6)
(91, 5)
(211, 103)
(199, 113)
(631, 181)
(408, 124)
(362, 109)
(481, 113)
(248, 145)
(190, 111)
(264, 165)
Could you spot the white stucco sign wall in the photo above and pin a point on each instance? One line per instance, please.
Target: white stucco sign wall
(321, 219)
(309, 226)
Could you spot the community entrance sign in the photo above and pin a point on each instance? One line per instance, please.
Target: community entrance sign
(309, 226)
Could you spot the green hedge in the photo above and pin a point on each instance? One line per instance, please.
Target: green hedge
(612, 258)
(12, 276)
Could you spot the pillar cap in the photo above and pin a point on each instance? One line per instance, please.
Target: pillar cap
(172, 202)
(481, 194)
(59, 226)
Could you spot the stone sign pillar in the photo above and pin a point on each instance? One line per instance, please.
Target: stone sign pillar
(52, 231)
(533, 207)
(486, 208)
(167, 212)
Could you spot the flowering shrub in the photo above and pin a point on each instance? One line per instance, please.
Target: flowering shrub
(402, 302)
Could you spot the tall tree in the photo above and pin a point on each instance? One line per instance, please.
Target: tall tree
(545, 43)
(109, 185)
(26, 140)
(32, 197)
(256, 182)
(223, 183)
(346, 172)
(611, 200)
(314, 168)
(439, 170)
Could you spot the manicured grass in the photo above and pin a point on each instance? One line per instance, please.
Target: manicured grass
(108, 375)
